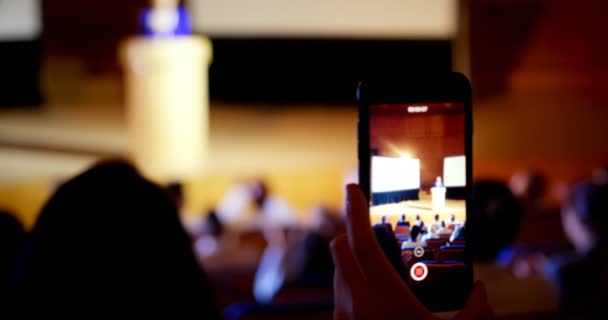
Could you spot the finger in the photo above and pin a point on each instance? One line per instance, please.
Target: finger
(341, 296)
(350, 292)
(381, 278)
(369, 255)
(477, 305)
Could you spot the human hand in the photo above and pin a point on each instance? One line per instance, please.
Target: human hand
(366, 286)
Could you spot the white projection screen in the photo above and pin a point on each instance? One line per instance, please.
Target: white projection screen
(427, 19)
(394, 174)
(455, 171)
(20, 20)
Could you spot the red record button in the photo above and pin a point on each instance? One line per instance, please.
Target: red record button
(419, 271)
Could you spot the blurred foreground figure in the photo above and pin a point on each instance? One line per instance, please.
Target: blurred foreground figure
(299, 262)
(498, 214)
(109, 241)
(12, 236)
(530, 187)
(582, 277)
(250, 205)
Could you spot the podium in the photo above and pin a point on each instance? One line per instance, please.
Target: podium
(167, 99)
(438, 199)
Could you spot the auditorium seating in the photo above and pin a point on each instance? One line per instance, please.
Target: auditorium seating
(409, 259)
(452, 253)
(402, 230)
(435, 243)
(253, 239)
(319, 309)
(402, 233)
(402, 238)
(445, 236)
(458, 242)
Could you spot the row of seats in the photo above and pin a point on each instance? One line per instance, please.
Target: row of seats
(403, 234)
(443, 253)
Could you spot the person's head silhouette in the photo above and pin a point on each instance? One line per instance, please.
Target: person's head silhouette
(415, 233)
(497, 212)
(585, 215)
(259, 191)
(110, 240)
(12, 236)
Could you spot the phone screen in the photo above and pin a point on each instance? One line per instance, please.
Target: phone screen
(418, 187)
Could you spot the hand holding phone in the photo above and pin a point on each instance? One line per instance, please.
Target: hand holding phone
(415, 161)
(366, 285)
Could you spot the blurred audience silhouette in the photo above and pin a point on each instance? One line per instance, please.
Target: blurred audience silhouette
(403, 222)
(530, 187)
(250, 205)
(497, 215)
(300, 261)
(415, 238)
(110, 242)
(581, 277)
(12, 237)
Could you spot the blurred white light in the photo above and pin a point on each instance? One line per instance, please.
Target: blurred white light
(455, 171)
(20, 19)
(393, 174)
(428, 19)
(417, 109)
(405, 155)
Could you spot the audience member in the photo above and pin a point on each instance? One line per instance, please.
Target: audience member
(423, 228)
(600, 176)
(497, 214)
(213, 237)
(436, 225)
(251, 206)
(308, 255)
(191, 223)
(530, 187)
(581, 277)
(415, 239)
(303, 261)
(384, 221)
(539, 228)
(110, 242)
(175, 190)
(443, 230)
(402, 222)
(12, 237)
(458, 234)
(454, 223)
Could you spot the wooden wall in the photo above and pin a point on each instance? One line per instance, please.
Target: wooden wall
(429, 138)
(540, 77)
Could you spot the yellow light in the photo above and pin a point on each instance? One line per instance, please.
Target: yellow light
(168, 104)
(406, 155)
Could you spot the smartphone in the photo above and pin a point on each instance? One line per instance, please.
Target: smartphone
(415, 160)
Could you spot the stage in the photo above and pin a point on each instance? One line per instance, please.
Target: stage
(422, 207)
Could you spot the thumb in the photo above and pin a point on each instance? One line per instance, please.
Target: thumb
(477, 306)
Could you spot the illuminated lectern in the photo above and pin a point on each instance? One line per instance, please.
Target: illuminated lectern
(167, 95)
